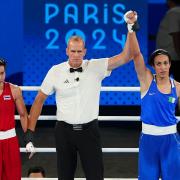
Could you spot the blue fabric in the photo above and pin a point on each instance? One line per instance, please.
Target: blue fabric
(158, 108)
(159, 156)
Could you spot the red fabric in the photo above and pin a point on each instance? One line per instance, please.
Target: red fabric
(7, 109)
(10, 162)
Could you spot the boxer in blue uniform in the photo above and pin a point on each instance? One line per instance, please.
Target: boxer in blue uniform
(159, 145)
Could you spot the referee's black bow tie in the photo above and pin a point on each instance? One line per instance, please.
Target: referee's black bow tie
(77, 69)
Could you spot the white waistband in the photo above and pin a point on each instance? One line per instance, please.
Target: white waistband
(157, 130)
(7, 134)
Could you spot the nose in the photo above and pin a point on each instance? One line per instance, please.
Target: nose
(165, 66)
(76, 54)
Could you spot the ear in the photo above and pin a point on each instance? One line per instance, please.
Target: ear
(67, 52)
(85, 50)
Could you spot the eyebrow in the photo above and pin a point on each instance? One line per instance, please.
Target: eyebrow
(76, 50)
(162, 62)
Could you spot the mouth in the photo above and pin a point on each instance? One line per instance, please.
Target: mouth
(75, 62)
(76, 59)
(163, 73)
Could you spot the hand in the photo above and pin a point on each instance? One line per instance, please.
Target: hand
(28, 138)
(130, 17)
(30, 149)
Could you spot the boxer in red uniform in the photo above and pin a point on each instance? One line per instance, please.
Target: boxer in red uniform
(10, 98)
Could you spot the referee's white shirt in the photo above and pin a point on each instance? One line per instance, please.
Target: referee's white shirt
(77, 93)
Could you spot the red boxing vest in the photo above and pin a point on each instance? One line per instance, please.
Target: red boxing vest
(7, 109)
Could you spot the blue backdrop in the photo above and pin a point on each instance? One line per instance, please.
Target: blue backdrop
(102, 26)
(34, 33)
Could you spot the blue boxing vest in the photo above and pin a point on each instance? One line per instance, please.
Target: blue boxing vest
(157, 108)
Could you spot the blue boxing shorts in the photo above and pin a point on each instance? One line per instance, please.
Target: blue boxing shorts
(159, 156)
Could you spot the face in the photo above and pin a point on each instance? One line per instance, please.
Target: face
(36, 175)
(76, 52)
(2, 74)
(162, 65)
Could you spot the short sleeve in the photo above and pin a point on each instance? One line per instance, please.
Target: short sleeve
(47, 85)
(101, 67)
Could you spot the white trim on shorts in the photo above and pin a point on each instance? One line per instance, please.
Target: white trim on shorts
(157, 130)
(7, 134)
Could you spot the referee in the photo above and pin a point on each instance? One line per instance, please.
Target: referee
(77, 85)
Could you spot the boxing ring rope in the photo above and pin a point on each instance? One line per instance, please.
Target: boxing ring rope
(105, 88)
(100, 118)
(78, 178)
(104, 150)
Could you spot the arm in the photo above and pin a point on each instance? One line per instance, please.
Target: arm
(144, 75)
(20, 106)
(138, 58)
(122, 58)
(36, 110)
(33, 117)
